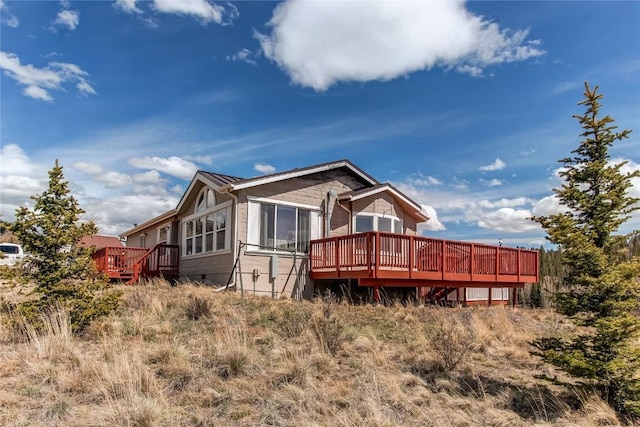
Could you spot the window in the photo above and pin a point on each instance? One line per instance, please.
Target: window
(374, 222)
(364, 223)
(164, 234)
(206, 199)
(285, 228)
(143, 240)
(207, 230)
(274, 226)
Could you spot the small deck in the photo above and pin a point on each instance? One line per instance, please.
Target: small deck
(130, 264)
(387, 259)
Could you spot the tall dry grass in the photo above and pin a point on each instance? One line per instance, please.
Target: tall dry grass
(188, 356)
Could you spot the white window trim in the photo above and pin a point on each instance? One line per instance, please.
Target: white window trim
(282, 203)
(253, 248)
(168, 226)
(204, 191)
(375, 220)
(207, 211)
(203, 214)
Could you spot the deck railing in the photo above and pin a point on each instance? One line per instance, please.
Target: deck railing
(126, 263)
(161, 260)
(388, 255)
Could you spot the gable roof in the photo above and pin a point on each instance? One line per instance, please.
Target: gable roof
(409, 204)
(228, 183)
(157, 219)
(100, 241)
(298, 172)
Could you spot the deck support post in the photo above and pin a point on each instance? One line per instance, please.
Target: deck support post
(515, 297)
(376, 294)
(490, 299)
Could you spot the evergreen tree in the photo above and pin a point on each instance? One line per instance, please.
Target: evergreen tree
(50, 234)
(603, 295)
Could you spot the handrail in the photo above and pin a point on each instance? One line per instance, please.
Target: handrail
(132, 263)
(373, 253)
(150, 264)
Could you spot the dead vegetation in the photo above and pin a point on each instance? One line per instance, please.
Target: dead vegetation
(188, 356)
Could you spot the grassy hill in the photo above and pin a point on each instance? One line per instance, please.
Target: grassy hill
(190, 356)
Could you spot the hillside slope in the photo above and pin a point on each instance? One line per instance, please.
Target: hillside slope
(191, 356)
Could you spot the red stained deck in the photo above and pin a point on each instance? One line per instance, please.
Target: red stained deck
(387, 259)
(131, 264)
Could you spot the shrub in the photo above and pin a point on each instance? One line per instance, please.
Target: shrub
(197, 307)
(450, 341)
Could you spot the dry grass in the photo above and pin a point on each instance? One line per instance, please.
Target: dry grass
(188, 356)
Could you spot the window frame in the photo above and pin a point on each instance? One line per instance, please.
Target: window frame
(394, 220)
(255, 229)
(195, 240)
(166, 226)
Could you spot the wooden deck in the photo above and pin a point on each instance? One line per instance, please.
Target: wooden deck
(130, 264)
(387, 259)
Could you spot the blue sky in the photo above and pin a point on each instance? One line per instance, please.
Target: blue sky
(464, 106)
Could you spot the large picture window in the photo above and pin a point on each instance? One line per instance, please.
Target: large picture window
(207, 230)
(280, 227)
(284, 228)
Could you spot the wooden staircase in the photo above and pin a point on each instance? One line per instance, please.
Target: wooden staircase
(132, 264)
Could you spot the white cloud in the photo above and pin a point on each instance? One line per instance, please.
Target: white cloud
(117, 214)
(128, 6)
(471, 70)
(39, 81)
(202, 9)
(424, 181)
(495, 166)
(504, 203)
(433, 224)
(492, 182)
(20, 178)
(8, 18)
(548, 205)
(207, 160)
(243, 55)
(67, 18)
(320, 43)
(85, 88)
(174, 166)
(508, 220)
(264, 168)
(110, 179)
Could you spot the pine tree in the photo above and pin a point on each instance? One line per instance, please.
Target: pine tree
(50, 234)
(603, 296)
(58, 265)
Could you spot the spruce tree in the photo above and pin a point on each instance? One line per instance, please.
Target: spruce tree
(601, 292)
(57, 264)
(50, 234)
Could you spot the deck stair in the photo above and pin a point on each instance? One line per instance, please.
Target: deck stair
(132, 264)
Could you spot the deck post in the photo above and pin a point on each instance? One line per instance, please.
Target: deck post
(497, 262)
(376, 294)
(411, 256)
(490, 299)
(377, 254)
(337, 252)
(515, 297)
(471, 261)
(444, 258)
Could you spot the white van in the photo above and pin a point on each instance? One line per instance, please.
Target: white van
(11, 253)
